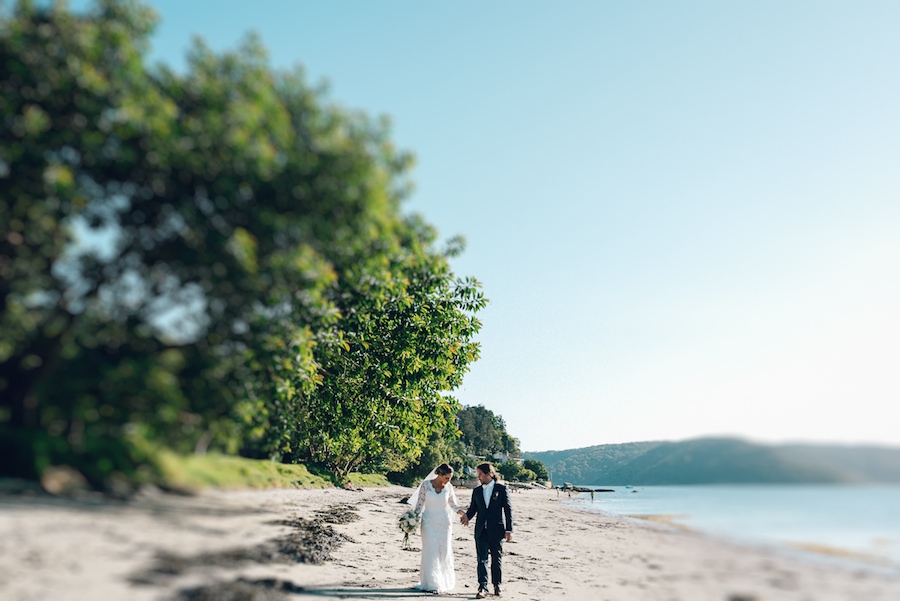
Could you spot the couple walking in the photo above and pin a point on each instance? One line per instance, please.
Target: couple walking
(435, 500)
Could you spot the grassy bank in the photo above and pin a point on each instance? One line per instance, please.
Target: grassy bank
(191, 473)
(118, 465)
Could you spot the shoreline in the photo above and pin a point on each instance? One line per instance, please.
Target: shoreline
(61, 549)
(807, 552)
(825, 538)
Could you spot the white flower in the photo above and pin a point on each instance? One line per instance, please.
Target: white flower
(408, 522)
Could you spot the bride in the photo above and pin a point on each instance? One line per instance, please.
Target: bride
(435, 500)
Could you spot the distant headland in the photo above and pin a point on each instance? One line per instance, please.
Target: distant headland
(721, 461)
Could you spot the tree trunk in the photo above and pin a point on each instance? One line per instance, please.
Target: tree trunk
(20, 380)
(202, 445)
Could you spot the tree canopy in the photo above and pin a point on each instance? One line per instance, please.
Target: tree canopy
(538, 468)
(214, 259)
(483, 432)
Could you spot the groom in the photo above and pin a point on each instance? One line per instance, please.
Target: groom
(491, 502)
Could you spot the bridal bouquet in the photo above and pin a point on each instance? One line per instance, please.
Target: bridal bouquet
(409, 521)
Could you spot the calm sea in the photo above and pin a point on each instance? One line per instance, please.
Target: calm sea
(863, 521)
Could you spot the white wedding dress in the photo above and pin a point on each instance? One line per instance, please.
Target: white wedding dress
(438, 510)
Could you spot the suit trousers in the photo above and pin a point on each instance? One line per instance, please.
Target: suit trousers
(487, 547)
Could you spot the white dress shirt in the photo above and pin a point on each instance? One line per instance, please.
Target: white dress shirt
(487, 489)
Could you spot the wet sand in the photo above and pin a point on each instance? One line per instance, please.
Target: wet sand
(278, 544)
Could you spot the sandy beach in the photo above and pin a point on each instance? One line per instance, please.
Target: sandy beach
(265, 545)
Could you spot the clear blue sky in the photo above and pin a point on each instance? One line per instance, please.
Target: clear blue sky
(686, 214)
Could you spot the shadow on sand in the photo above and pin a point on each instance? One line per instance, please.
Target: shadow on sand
(271, 589)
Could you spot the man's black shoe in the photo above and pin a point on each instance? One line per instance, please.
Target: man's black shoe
(497, 590)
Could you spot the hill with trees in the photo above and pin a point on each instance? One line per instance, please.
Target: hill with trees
(721, 461)
(585, 464)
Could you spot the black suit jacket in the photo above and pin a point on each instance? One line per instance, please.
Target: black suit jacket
(490, 518)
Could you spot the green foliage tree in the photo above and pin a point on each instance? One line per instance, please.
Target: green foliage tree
(539, 469)
(510, 470)
(516, 472)
(407, 325)
(214, 259)
(484, 433)
(443, 447)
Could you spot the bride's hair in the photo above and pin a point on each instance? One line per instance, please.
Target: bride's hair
(443, 469)
(487, 468)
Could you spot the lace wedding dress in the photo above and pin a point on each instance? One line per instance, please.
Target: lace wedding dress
(437, 508)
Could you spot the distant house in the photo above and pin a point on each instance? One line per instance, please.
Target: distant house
(500, 457)
(504, 456)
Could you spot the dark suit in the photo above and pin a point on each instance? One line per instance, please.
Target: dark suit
(490, 531)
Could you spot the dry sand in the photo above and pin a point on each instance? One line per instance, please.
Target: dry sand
(62, 550)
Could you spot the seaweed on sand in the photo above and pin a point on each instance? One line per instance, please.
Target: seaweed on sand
(312, 542)
(242, 589)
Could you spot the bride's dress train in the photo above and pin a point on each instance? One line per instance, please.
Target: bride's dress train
(436, 572)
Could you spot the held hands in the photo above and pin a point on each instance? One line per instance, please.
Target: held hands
(508, 536)
(463, 519)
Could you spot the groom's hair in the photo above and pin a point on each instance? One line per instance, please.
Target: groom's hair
(487, 468)
(443, 469)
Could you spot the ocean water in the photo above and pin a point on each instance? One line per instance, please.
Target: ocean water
(847, 523)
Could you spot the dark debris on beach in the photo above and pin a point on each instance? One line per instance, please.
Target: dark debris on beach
(339, 514)
(242, 589)
(312, 542)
